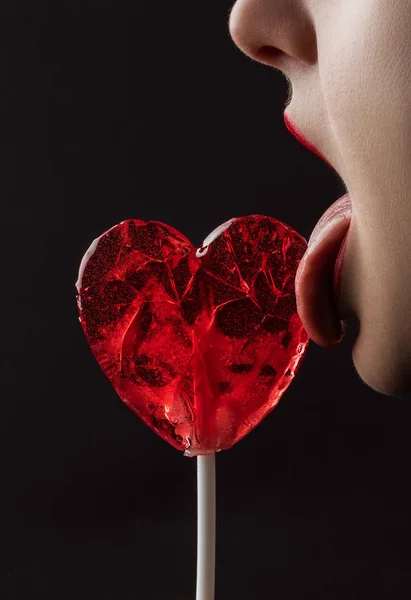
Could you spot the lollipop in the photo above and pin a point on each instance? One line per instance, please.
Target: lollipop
(200, 344)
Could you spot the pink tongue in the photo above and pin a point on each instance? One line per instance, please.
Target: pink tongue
(314, 280)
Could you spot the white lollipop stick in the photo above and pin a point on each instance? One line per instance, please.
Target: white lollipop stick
(206, 527)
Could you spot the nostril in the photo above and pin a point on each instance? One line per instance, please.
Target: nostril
(268, 53)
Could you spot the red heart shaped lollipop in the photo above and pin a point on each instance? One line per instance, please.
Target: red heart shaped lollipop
(201, 345)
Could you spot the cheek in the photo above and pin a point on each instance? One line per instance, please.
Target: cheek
(365, 74)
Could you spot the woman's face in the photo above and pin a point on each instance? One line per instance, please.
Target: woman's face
(349, 63)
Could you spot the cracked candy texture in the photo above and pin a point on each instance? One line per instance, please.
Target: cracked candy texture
(200, 345)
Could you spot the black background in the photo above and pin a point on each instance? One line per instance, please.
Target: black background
(115, 110)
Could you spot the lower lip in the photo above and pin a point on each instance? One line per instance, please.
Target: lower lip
(339, 267)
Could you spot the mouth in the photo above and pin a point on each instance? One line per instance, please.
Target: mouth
(317, 283)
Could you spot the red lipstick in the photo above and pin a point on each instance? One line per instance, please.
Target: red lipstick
(301, 138)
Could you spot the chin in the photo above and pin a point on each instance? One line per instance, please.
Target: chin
(385, 376)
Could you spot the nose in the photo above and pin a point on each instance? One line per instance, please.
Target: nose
(274, 32)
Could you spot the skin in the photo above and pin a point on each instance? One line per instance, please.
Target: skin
(349, 65)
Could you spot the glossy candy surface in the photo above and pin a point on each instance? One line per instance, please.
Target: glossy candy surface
(201, 345)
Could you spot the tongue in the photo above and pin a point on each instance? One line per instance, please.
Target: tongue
(316, 304)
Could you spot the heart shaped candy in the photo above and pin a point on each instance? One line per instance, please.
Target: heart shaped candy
(201, 345)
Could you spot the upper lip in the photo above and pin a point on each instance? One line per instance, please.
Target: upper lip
(298, 134)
